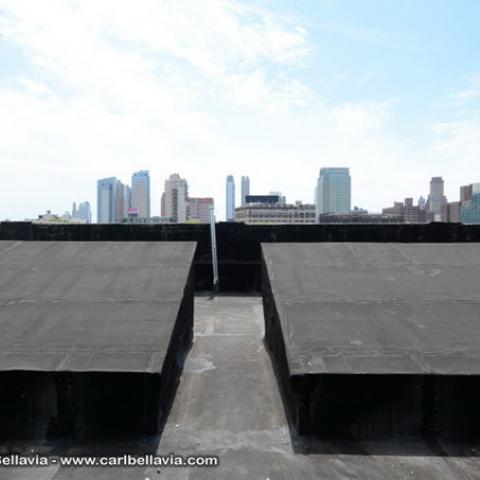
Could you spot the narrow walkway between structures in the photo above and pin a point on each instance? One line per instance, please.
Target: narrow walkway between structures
(228, 404)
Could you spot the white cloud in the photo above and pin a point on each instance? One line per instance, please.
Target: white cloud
(201, 88)
(119, 85)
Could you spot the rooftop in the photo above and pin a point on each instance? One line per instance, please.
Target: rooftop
(378, 308)
(228, 404)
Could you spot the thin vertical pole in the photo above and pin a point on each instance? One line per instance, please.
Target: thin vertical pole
(214, 248)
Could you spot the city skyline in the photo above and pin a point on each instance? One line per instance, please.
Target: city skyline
(332, 195)
(280, 89)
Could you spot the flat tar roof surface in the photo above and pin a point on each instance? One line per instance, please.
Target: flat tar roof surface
(228, 404)
(90, 306)
(378, 308)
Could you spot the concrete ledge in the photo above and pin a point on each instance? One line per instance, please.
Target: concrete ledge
(239, 252)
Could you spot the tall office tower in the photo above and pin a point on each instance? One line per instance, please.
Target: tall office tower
(174, 201)
(106, 195)
(199, 209)
(140, 198)
(162, 206)
(333, 192)
(245, 189)
(83, 212)
(466, 193)
(230, 198)
(436, 199)
(470, 209)
(122, 197)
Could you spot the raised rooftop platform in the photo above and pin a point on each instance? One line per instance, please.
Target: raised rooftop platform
(93, 333)
(228, 404)
(376, 338)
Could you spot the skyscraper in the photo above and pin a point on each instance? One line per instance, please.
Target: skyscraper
(83, 212)
(140, 198)
(230, 199)
(436, 199)
(112, 200)
(245, 189)
(466, 193)
(122, 197)
(174, 199)
(333, 192)
(106, 194)
(470, 204)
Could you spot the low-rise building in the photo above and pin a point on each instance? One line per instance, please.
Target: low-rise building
(136, 220)
(49, 217)
(199, 209)
(409, 212)
(354, 217)
(276, 213)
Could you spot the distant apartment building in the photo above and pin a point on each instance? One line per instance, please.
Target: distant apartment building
(199, 209)
(466, 193)
(133, 218)
(470, 210)
(174, 199)
(276, 213)
(83, 212)
(49, 217)
(360, 217)
(436, 199)
(140, 193)
(333, 191)
(470, 207)
(245, 186)
(122, 197)
(451, 212)
(407, 211)
(230, 200)
(263, 199)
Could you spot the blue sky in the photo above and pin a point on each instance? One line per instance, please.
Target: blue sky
(270, 89)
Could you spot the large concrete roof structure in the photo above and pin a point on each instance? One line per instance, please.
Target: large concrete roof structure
(90, 306)
(86, 368)
(93, 336)
(376, 339)
(378, 308)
